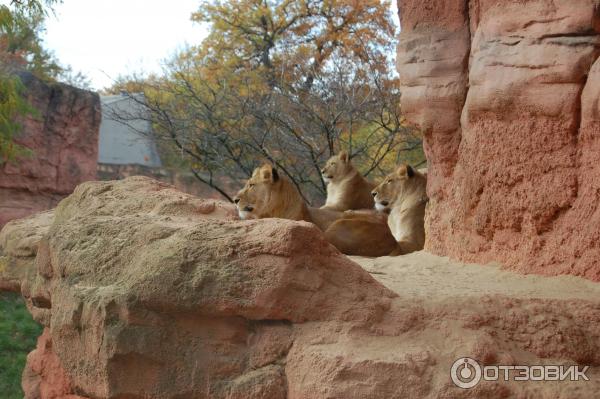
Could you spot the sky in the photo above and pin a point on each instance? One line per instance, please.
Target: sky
(107, 38)
(104, 39)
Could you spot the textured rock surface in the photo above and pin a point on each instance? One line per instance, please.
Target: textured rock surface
(446, 310)
(44, 376)
(64, 140)
(19, 241)
(507, 95)
(146, 292)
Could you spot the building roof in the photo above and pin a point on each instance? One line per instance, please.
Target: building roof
(126, 135)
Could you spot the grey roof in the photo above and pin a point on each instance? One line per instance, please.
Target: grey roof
(125, 135)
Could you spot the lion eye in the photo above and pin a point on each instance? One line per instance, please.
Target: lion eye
(388, 182)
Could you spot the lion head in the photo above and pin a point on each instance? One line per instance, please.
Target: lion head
(337, 167)
(267, 195)
(386, 193)
(252, 201)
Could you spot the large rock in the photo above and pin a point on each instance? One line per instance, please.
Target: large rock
(149, 292)
(507, 96)
(146, 292)
(63, 136)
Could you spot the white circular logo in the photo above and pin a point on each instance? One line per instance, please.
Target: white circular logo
(465, 373)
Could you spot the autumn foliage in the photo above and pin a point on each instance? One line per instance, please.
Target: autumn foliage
(288, 82)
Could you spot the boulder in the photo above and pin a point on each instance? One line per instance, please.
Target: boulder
(506, 94)
(149, 292)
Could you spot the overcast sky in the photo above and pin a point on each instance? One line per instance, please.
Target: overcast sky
(107, 38)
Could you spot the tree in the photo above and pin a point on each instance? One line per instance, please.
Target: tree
(20, 42)
(296, 37)
(19, 48)
(21, 25)
(288, 82)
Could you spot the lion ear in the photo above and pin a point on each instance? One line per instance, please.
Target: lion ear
(344, 156)
(405, 170)
(270, 173)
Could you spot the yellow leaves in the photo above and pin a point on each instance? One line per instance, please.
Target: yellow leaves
(267, 33)
(12, 105)
(404, 123)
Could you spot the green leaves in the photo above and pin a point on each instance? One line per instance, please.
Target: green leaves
(20, 42)
(20, 48)
(12, 106)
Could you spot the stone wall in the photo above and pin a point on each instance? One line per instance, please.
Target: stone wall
(64, 139)
(507, 94)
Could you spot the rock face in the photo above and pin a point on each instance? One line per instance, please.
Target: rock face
(146, 292)
(507, 96)
(64, 139)
(19, 241)
(44, 376)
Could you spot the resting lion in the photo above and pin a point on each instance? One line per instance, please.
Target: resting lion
(346, 187)
(403, 195)
(269, 195)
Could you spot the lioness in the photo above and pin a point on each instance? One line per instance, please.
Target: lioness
(346, 187)
(403, 195)
(361, 234)
(269, 195)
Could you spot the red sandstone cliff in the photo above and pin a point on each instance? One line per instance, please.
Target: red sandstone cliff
(507, 95)
(64, 140)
